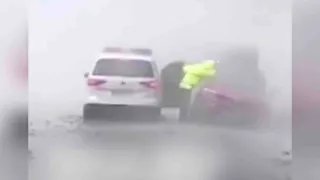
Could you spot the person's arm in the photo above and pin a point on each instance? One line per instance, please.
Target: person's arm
(209, 73)
(188, 68)
(199, 70)
(206, 72)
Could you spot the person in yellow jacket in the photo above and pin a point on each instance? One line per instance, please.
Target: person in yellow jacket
(194, 74)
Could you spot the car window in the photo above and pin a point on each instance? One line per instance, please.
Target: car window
(127, 68)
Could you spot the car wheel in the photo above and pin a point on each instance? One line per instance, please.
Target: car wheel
(90, 112)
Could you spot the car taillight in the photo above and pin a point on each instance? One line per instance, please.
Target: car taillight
(95, 82)
(151, 84)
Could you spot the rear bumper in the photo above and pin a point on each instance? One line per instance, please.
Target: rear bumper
(145, 102)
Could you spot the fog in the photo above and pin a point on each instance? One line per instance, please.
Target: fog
(65, 37)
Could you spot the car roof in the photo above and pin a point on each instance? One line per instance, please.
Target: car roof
(126, 56)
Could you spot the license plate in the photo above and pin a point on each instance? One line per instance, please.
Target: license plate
(140, 94)
(122, 91)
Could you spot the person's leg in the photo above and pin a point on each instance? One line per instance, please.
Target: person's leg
(184, 104)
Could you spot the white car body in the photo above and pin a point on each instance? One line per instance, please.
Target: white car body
(117, 87)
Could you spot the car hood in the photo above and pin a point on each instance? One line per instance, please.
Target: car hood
(230, 91)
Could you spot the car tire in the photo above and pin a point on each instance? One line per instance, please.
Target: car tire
(90, 112)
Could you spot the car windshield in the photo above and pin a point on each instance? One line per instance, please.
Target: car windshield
(127, 68)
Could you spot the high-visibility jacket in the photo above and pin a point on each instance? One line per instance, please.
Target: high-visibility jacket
(195, 73)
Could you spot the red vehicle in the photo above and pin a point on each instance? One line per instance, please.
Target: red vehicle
(235, 96)
(217, 104)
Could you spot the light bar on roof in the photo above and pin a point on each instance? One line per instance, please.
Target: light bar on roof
(142, 51)
(138, 51)
(112, 49)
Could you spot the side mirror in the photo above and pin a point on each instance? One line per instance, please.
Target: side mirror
(86, 75)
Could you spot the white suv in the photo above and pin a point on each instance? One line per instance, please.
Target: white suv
(123, 77)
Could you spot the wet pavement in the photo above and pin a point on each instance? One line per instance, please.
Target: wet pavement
(152, 150)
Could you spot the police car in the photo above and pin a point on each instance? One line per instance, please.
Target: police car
(123, 77)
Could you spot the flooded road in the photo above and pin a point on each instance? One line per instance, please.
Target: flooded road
(154, 151)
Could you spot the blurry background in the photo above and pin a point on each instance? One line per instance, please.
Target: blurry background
(13, 89)
(13, 46)
(306, 88)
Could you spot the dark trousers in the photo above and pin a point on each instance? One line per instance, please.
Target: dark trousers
(184, 103)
